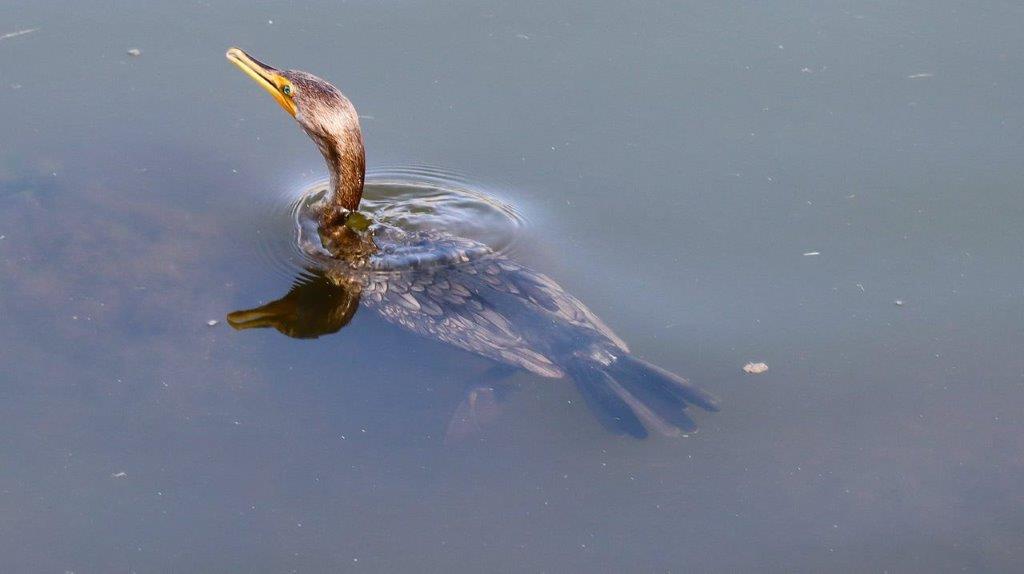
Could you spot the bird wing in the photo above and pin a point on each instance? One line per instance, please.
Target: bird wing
(492, 307)
(541, 290)
(454, 306)
(465, 295)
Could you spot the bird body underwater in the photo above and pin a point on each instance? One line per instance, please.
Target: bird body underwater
(451, 289)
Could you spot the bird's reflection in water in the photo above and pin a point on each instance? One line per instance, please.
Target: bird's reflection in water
(314, 306)
(475, 299)
(318, 305)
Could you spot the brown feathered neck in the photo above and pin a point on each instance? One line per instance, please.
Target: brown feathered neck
(346, 163)
(331, 121)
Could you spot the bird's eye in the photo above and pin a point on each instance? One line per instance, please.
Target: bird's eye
(287, 89)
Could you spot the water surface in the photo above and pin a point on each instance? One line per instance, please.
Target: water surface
(674, 164)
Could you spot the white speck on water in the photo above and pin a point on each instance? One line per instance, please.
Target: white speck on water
(920, 75)
(755, 368)
(212, 322)
(270, 22)
(898, 302)
(522, 36)
(807, 70)
(119, 474)
(135, 52)
(861, 287)
(811, 253)
(18, 33)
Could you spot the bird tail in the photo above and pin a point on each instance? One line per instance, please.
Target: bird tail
(632, 396)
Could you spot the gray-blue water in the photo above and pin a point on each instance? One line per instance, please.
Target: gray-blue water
(675, 166)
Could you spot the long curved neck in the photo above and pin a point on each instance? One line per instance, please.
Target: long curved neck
(346, 162)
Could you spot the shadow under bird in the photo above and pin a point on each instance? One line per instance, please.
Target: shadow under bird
(450, 288)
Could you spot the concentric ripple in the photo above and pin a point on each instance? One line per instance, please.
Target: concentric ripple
(412, 199)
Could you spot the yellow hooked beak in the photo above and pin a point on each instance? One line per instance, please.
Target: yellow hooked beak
(270, 78)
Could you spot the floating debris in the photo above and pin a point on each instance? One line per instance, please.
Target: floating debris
(811, 253)
(898, 302)
(919, 76)
(212, 323)
(755, 368)
(134, 52)
(120, 474)
(18, 33)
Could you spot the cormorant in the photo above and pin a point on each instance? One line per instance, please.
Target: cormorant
(450, 288)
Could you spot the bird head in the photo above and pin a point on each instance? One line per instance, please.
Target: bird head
(324, 113)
